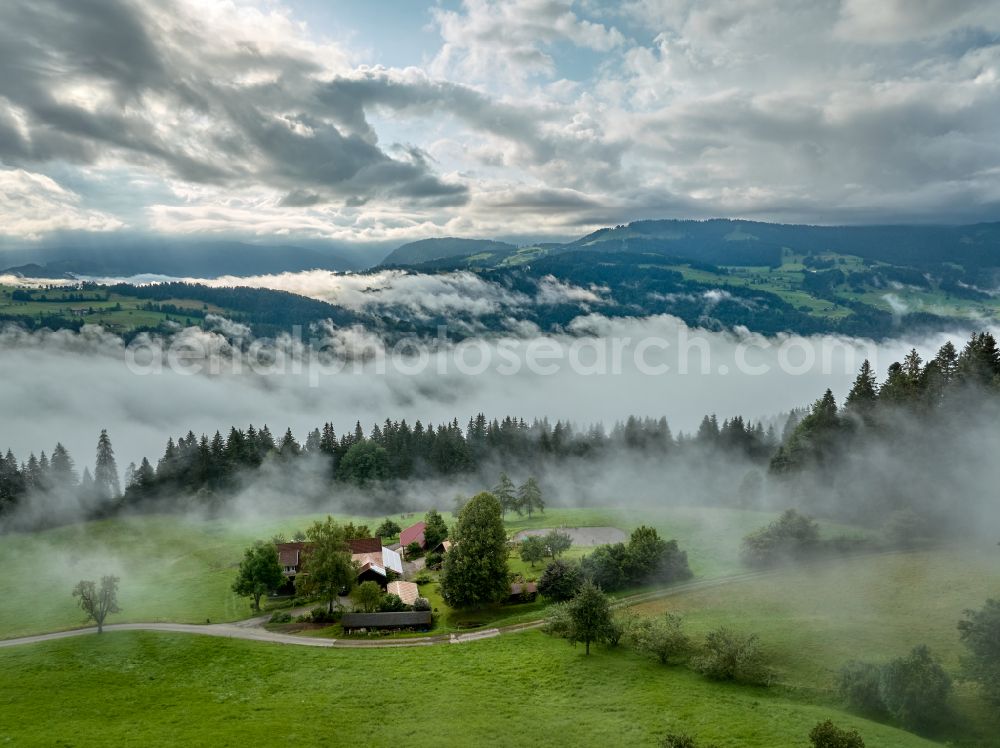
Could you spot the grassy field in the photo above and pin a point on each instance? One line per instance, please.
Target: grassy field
(171, 569)
(175, 569)
(147, 689)
(139, 689)
(113, 311)
(813, 620)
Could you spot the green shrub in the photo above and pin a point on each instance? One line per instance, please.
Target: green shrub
(322, 615)
(560, 581)
(680, 740)
(789, 537)
(828, 735)
(423, 578)
(388, 529)
(434, 560)
(413, 550)
(391, 604)
(729, 655)
(915, 689)
(559, 622)
(858, 687)
(677, 740)
(980, 633)
(281, 616)
(421, 603)
(662, 637)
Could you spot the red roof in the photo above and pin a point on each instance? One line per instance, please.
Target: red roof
(365, 545)
(413, 534)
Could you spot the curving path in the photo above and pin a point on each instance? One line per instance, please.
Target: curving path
(252, 629)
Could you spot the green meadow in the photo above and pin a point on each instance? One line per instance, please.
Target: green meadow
(144, 689)
(131, 688)
(177, 569)
(813, 619)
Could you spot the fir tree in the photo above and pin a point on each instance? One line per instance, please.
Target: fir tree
(106, 485)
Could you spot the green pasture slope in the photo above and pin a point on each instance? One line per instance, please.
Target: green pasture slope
(143, 689)
(131, 688)
(180, 570)
(813, 619)
(117, 312)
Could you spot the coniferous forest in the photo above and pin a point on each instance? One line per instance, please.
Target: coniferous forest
(885, 451)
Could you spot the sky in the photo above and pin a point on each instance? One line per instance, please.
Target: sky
(393, 121)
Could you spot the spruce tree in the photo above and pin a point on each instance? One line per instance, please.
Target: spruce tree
(504, 493)
(106, 485)
(62, 472)
(864, 394)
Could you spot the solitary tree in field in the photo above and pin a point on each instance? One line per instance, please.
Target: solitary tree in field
(475, 570)
(259, 574)
(557, 542)
(98, 602)
(326, 565)
(590, 614)
(532, 549)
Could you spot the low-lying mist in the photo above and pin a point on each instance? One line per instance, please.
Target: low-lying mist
(64, 386)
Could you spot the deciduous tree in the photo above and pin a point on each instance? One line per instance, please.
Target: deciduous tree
(259, 572)
(326, 565)
(980, 633)
(435, 529)
(590, 614)
(98, 602)
(367, 596)
(475, 570)
(532, 549)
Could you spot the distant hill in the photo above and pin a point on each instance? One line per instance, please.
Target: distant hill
(182, 260)
(428, 250)
(736, 243)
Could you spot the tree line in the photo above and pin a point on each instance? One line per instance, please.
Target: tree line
(895, 448)
(391, 451)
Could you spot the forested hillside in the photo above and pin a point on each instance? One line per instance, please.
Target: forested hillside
(893, 452)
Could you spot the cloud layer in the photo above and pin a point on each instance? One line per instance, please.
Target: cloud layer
(65, 387)
(527, 118)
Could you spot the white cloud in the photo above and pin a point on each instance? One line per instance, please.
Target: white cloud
(32, 205)
(533, 117)
(510, 41)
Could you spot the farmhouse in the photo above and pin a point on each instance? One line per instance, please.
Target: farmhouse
(374, 560)
(413, 534)
(290, 558)
(417, 619)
